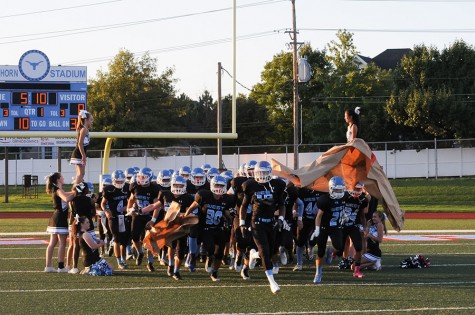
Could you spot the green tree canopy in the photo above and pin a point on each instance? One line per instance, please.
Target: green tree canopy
(434, 91)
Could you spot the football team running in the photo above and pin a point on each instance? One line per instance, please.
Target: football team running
(245, 219)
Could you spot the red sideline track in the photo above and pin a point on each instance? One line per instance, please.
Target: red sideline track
(409, 215)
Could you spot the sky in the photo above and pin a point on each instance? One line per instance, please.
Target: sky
(192, 36)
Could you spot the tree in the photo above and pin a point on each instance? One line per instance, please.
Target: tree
(131, 96)
(434, 91)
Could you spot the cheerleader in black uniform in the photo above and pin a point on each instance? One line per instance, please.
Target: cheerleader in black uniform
(58, 223)
(93, 263)
(78, 156)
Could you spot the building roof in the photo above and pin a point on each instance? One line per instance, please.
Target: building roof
(390, 58)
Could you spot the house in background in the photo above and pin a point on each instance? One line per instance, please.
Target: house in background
(386, 60)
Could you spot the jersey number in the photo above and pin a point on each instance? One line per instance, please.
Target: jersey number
(213, 217)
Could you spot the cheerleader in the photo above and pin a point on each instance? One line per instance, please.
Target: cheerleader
(58, 223)
(78, 156)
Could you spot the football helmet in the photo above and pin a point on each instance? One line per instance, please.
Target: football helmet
(178, 185)
(198, 176)
(137, 169)
(129, 173)
(263, 172)
(206, 167)
(336, 187)
(185, 171)
(357, 190)
(106, 182)
(144, 176)
(228, 175)
(218, 185)
(164, 178)
(249, 168)
(90, 186)
(242, 170)
(212, 172)
(118, 178)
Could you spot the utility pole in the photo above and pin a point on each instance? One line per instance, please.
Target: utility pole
(294, 43)
(219, 120)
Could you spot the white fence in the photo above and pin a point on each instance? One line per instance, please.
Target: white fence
(423, 163)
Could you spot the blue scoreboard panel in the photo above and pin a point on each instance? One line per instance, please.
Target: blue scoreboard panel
(41, 106)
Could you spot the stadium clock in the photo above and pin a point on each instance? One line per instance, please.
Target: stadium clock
(35, 96)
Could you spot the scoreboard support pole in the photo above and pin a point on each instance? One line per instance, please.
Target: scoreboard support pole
(6, 174)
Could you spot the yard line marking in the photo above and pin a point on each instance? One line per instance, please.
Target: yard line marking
(220, 287)
(423, 309)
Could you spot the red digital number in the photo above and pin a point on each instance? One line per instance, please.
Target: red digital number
(62, 113)
(73, 123)
(81, 106)
(5, 113)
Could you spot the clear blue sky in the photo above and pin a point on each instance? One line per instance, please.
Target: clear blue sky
(193, 36)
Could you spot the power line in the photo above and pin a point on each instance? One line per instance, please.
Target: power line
(69, 32)
(178, 48)
(362, 30)
(58, 9)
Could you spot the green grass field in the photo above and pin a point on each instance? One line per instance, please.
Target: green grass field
(447, 287)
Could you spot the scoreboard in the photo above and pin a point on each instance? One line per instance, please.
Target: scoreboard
(50, 102)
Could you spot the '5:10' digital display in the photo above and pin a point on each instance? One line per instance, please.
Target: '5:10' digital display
(34, 98)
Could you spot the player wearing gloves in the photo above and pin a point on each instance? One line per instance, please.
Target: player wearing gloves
(266, 195)
(328, 221)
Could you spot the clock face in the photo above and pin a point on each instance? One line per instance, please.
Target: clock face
(34, 65)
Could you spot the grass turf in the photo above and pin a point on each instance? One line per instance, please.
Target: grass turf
(444, 288)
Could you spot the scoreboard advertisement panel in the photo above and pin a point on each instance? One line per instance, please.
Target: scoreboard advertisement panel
(49, 100)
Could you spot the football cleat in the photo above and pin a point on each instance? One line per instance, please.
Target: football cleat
(283, 255)
(150, 267)
(208, 267)
(245, 273)
(63, 270)
(177, 276)
(231, 263)
(170, 272)
(318, 278)
(253, 256)
(297, 268)
(139, 259)
(275, 270)
(274, 287)
(163, 262)
(214, 276)
(311, 253)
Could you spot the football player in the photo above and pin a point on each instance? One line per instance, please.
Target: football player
(165, 198)
(328, 221)
(214, 207)
(353, 220)
(266, 195)
(306, 223)
(142, 195)
(196, 182)
(114, 205)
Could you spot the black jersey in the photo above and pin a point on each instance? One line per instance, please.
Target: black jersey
(58, 203)
(166, 198)
(353, 208)
(236, 185)
(212, 209)
(193, 189)
(145, 196)
(332, 210)
(117, 198)
(309, 198)
(83, 206)
(264, 198)
(291, 193)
